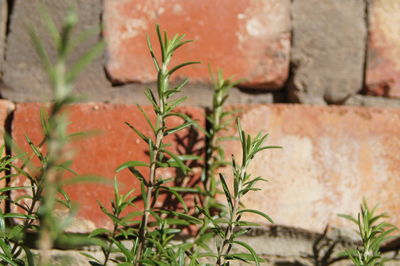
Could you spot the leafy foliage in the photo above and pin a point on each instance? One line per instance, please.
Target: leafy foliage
(373, 233)
(218, 120)
(242, 184)
(155, 245)
(54, 158)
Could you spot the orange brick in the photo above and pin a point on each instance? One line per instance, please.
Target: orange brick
(250, 39)
(102, 153)
(383, 74)
(332, 158)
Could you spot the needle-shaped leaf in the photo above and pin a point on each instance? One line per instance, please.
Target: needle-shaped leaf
(140, 134)
(131, 164)
(226, 191)
(84, 61)
(182, 65)
(256, 212)
(250, 249)
(147, 118)
(177, 196)
(182, 166)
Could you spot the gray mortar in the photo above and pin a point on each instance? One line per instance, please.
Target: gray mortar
(372, 101)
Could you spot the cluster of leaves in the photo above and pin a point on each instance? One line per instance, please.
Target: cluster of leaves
(373, 233)
(218, 120)
(242, 184)
(36, 208)
(152, 239)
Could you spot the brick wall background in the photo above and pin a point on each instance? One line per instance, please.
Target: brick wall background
(322, 77)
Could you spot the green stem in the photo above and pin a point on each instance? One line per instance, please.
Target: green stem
(153, 168)
(226, 244)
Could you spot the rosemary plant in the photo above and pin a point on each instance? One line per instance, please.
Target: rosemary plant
(154, 245)
(218, 120)
(242, 184)
(51, 152)
(373, 233)
(121, 227)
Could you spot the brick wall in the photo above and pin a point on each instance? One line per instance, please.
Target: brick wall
(298, 58)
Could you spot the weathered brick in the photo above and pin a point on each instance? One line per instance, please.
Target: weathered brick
(383, 67)
(328, 50)
(102, 153)
(6, 108)
(332, 158)
(250, 39)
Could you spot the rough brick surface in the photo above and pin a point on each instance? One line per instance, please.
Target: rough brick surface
(250, 39)
(332, 157)
(24, 74)
(328, 50)
(383, 67)
(102, 153)
(6, 108)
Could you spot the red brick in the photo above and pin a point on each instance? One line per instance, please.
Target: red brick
(332, 157)
(383, 67)
(249, 39)
(102, 153)
(6, 108)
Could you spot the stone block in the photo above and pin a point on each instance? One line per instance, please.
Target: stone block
(249, 39)
(24, 75)
(332, 158)
(383, 67)
(113, 144)
(3, 29)
(328, 50)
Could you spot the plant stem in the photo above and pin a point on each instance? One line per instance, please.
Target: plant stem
(107, 252)
(147, 203)
(226, 244)
(153, 168)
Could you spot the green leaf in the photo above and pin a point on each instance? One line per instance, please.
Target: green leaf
(182, 65)
(348, 217)
(183, 216)
(4, 189)
(29, 256)
(147, 118)
(99, 231)
(174, 103)
(131, 164)
(123, 249)
(249, 248)
(84, 61)
(256, 212)
(7, 259)
(45, 60)
(19, 215)
(226, 191)
(150, 96)
(178, 128)
(143, 137)
(152, 54)
(243, 257)
(34, 148)
(182, 166)
(176, 194)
